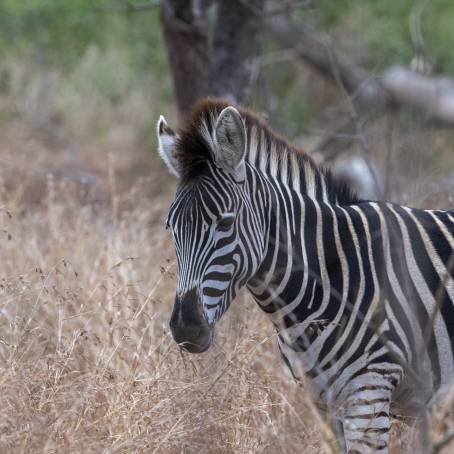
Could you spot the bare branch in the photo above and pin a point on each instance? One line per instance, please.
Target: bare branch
(313, 48)
(397, 87)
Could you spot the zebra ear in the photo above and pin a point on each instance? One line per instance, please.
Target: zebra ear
(230, 135)
(167, 139)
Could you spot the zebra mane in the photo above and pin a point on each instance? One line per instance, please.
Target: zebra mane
(193, 150)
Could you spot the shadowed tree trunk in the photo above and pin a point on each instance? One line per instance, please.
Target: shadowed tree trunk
(236, 49)
(221, 63)
(185, 33)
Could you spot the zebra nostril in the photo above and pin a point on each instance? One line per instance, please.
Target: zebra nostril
(188, 311)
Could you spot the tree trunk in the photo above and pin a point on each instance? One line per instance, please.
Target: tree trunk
(225, 69)
(236, 47)
(186, 39)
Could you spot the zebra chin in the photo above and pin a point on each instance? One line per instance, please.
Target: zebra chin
(194, 339)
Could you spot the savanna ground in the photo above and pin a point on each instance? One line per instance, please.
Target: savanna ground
(87, 276)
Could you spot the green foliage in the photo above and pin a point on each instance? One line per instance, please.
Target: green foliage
(293, 110)
(439, 32)
(4, 80)
(58, 32)
(102, 51)
(384, 26)
(56, 28)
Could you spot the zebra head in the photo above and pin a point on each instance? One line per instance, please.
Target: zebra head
(211, 220)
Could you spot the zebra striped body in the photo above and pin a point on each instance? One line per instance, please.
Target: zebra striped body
(361, 293)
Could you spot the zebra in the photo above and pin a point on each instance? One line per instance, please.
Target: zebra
(361, 293)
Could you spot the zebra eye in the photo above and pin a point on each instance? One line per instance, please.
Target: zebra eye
(225, 222)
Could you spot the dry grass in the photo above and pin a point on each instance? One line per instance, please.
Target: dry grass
(87, 363)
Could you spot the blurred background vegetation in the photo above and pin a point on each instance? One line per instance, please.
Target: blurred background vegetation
(108, 48)
(73, 68)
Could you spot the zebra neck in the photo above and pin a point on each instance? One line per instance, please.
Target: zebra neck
(296, 268)
(299, 203)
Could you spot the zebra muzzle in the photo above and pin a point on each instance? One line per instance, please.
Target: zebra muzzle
(188, 324)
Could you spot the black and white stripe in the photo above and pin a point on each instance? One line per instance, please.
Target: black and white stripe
(361, 293)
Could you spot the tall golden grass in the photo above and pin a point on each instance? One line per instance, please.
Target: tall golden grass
(87, 361)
